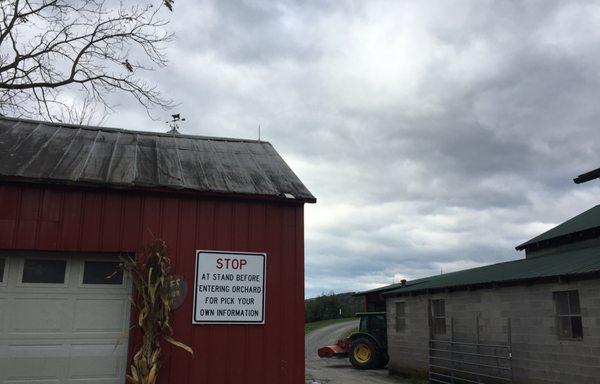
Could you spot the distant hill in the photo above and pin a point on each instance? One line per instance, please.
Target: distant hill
(329, 306)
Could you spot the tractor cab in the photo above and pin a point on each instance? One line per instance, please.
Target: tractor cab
(373, 324)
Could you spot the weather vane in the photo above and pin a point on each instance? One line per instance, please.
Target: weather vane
(174, 124)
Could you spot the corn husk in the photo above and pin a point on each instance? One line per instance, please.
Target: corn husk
(151, 277)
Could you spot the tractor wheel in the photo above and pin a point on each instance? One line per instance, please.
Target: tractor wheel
(363, 353)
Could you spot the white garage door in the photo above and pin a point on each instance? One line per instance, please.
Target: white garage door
(62, 320)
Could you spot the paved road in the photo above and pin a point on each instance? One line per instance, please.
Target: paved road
(334, 370)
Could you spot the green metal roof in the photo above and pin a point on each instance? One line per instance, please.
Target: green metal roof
(379, 290)
(576, 262)
(587, 220)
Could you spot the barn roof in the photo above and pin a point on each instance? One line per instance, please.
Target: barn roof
(97, 156)
(587, 220)
(566, 263)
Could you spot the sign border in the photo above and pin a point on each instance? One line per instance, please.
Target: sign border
(262, 320)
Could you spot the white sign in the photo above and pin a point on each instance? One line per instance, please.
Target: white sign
(229, 288)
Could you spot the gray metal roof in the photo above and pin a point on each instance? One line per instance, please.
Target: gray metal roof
(72, 154)
(584, 221)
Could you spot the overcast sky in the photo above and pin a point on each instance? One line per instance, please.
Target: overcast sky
(436, 135)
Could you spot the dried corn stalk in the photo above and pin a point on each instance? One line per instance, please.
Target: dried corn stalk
(151, 280)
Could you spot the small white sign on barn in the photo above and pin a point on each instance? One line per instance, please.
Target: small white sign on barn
(229, 288)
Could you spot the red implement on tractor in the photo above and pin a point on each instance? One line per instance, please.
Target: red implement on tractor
(366, 348)
(340, 349)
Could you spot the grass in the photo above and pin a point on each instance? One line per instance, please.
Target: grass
(320, 324)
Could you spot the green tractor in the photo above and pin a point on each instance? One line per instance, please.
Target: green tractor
(367, 348)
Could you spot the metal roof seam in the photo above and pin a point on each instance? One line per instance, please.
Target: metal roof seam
(181, 173)
(135, 155)
(78, 177)
(254, 185)
(267, 178)
(22, 168)
(18, 145)
(156, 160)
(219, 165)
(14, 127)
(59, 162)
(172, 173)
(201, 166)
(112, 156)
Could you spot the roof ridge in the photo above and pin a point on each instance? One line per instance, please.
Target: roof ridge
(131, 131)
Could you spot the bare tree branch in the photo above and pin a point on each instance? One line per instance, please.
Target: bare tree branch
(53, 48)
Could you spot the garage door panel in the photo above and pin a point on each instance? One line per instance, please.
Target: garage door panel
(35, 363)
(99, 315)
(40, 315)
(96, 361)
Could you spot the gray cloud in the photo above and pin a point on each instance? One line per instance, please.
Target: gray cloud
(436, 135)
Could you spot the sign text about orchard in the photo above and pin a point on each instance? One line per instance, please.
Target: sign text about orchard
(230, 287)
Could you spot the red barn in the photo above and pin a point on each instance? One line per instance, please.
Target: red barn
(72, 198)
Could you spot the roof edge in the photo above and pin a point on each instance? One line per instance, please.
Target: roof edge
(141, 188)
(377, 290)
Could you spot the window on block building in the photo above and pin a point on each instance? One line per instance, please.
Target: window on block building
(438, 316)
(568, 315)
(400, 316)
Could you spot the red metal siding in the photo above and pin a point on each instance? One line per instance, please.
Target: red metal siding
(68, 219)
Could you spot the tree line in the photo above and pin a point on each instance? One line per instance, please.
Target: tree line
(332, 306)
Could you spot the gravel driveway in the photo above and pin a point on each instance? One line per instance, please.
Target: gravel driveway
(338, 370)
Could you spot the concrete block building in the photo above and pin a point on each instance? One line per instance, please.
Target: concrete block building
(534, 320)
